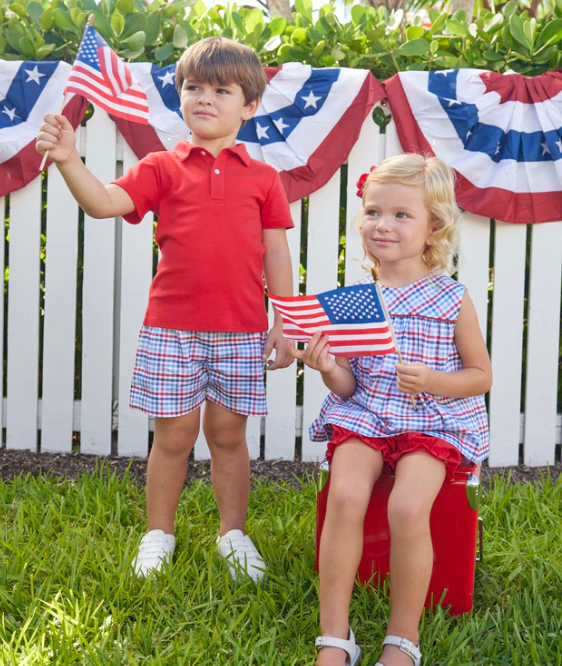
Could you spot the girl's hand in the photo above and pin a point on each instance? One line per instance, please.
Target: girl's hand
(414, 378)
(316, 354)
(57, 136)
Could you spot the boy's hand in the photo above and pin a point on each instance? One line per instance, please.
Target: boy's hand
(316, 354)
(414, 378)
(275, 340)
(57, 136)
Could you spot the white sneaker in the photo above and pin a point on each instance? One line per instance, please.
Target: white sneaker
(155, 549)
(241, 555)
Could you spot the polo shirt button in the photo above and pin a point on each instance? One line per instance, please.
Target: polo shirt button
(217, 171)
(203, 152)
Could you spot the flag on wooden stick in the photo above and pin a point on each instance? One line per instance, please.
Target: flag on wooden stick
(98, 74)
(352, 318)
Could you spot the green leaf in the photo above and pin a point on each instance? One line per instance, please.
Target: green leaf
(197, 10)
(337, 54)
(510, 8)
(494, 24)
(551, 33)
(135, 42)
(2, 44)
(434, 46)
(417, 47)
(544, 56)
(124, 6)
(63, 21)
(413, 32)
(530, 28)
(358, 13)
(18, 9)
(492, 55)
(117, 23)
(163, 52)
(27, 47)
(46, 50)
(457, 28)
(254, 18)
(299, 35)
(517, 32)
(13, 39)
(47, 19)
(152, 29)
(180, 37)
(133, 23)
(277, 25)
(131, 54)
(239, 23)
(318, 49)
(304, 7)
(35, 11)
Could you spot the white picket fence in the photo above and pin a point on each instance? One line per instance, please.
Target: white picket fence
(118, 268)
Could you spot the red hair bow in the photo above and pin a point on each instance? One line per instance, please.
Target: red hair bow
(361, 182)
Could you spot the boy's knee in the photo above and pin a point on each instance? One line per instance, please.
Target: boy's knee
(177, 437)
(225, 439)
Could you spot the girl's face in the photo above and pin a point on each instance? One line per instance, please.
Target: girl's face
(395, 224)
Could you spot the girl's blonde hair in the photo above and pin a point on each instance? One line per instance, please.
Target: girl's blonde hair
(438, 183)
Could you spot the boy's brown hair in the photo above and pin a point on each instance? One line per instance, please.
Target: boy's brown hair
(217, 60)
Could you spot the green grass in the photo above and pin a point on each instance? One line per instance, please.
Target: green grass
(66, 596)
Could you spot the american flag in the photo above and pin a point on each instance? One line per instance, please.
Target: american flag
(99, 75)
(352, 317)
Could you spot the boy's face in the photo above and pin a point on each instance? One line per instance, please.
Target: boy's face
(213, 111)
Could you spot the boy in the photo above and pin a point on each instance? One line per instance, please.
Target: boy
(222, 222)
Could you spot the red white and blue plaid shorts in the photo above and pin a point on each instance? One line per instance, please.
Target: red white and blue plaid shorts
(176, 371)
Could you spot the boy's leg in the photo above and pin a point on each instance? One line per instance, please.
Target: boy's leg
(174, 439)
(354, 470)
(419, 477)
(225, 432)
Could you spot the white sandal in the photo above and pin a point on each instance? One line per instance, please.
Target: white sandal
(352, 650)
(405, 646)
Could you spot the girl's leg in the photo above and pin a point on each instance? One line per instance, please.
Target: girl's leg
(419, 477)
(354, 470)
(167, 464)
(230, 464)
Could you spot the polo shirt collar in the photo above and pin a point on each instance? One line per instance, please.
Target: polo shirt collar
(184, 148)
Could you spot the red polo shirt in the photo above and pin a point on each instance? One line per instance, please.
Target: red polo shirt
(211, 213)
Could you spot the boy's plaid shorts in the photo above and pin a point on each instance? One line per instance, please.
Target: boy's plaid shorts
(176, 371)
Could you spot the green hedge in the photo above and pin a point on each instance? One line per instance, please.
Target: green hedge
(374, 38)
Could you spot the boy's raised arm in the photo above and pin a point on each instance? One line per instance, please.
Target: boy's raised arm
(57, 136)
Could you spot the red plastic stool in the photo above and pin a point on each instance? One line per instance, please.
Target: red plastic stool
(456, 532)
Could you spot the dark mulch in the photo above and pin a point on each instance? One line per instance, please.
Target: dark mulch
(71, 465)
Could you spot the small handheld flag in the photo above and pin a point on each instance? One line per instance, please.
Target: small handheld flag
(352, 318)
(98, 74)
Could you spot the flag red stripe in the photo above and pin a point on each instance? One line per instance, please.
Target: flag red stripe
(141, 105)
(100, 81)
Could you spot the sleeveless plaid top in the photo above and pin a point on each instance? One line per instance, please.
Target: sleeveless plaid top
(423, 315)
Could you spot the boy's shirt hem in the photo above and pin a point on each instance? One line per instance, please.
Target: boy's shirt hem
(211, 216)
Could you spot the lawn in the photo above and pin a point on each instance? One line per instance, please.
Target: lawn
(66, 596)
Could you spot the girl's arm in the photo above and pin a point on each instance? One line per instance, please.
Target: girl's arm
(476, 376)
(336, 372)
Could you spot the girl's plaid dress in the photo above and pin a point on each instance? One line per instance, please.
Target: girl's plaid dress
(423, 315)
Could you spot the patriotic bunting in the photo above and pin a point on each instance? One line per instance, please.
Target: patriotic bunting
(502, 133)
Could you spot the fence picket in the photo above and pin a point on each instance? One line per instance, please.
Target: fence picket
(57, 410)
(280, 424)
(474, 263)
(321, 275)
(507, 340)
(362, 157)
(98, 297)
(23, 317)
(136, 276)
(543, 344)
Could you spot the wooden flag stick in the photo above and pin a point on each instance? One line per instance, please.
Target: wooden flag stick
(46, 155)
(375, 275)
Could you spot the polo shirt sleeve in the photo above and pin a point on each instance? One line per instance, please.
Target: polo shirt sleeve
(142, 182)
(275, 211)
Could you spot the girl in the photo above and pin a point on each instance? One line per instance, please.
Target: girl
(408, 228)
